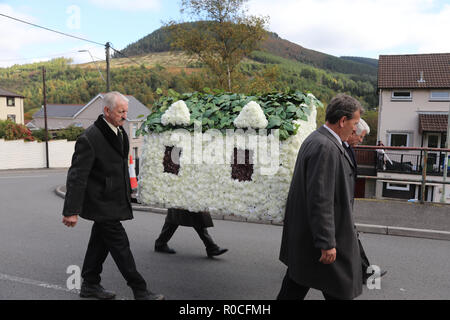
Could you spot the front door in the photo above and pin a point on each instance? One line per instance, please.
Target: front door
(433, 140)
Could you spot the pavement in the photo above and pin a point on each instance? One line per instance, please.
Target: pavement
(388, 217)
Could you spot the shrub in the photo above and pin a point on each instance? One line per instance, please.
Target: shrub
(13, 131)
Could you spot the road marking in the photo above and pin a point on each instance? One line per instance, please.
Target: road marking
(14, 177)
(41, 284)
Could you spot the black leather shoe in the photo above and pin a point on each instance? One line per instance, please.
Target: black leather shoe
(95, 291)
(147, 295)
(216, 252)
(165, 249)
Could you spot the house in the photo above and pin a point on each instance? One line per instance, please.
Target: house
(11, 106)
(414, 104)
(60, 116)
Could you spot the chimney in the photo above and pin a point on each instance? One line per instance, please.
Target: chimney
(421, 80)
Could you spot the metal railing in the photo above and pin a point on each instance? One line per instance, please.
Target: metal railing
(424, 161)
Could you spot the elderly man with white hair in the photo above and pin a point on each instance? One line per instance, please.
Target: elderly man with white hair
(98, 189)
(362, 129)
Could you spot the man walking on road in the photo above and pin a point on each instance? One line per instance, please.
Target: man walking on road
(98, 189)
(319, 243)
(362, 129)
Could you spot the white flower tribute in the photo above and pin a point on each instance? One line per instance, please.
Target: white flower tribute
(204, 181)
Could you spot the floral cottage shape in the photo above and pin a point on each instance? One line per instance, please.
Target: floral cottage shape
(176, 114)
(251, 116)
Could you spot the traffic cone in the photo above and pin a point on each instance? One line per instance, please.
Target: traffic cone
(132, 171)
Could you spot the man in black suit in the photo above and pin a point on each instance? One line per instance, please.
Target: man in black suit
(319, 243)
(357, 137)
(98, 189)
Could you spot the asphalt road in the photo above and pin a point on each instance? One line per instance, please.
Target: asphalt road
(36, 249)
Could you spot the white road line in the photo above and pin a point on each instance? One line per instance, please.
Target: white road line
(15, 177)
(36, 283)
(41, 284)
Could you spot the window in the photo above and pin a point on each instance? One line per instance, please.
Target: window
(399, 139)
(397, 186)
(10, 101)
(11, 117)
(440, 96)
(133, 130)
(402, 95)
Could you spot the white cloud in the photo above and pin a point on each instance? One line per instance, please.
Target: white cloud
(355, 27)
(130, 5)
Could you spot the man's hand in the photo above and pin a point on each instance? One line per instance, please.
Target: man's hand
(328, 256)
(70, 221)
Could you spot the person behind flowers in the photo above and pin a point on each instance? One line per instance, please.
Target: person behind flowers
(319, 243)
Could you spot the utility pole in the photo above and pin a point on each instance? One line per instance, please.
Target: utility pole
(445, 166)
(45, 115)
(107, 46)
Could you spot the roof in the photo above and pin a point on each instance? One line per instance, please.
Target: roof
(6, 93)
(59, 111)
(405, 71)
(136, 108)
(433, 122)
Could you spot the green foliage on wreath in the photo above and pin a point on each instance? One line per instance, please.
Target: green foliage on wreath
(217, 110)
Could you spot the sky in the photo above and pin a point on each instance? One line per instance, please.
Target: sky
(365, 28)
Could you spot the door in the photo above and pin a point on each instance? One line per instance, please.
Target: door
(433, 140)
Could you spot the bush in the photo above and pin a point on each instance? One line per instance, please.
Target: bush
(13, 131)
(70, 133)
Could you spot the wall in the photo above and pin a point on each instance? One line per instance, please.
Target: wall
(402, 116)
(18, 154)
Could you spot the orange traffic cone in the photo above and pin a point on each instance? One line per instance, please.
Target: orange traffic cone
(131, 170)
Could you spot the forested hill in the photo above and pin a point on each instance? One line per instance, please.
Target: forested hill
(159, 41)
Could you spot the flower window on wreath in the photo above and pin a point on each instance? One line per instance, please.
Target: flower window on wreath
(242, 167)
(171, 160)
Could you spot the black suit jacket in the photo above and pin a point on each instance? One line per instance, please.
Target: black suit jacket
(98, 181)
(351, 153)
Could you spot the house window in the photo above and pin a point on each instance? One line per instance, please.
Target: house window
(133, 130)
(11, 117)
(10, 101)
(398, 139)
(402, 95)
(440, 96)
(397, 186)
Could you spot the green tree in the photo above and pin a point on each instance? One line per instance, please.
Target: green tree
(222, 39)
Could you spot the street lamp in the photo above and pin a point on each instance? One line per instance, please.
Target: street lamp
(94, 62)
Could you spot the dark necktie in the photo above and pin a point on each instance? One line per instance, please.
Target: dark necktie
(120, 134)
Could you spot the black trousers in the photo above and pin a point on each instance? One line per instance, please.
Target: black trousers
(291, 290)
(169, 229)
(110, 237)
(364, 260)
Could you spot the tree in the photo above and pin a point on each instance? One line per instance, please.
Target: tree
(223, 37)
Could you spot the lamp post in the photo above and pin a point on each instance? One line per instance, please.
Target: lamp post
(94, 63)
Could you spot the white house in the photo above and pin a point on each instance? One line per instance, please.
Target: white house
(414, 102)
(11, 106)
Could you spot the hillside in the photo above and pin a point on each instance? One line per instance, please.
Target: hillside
(279, 65)
(159, 41)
